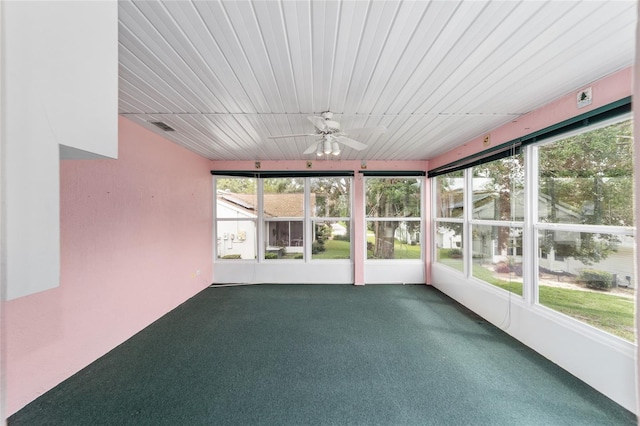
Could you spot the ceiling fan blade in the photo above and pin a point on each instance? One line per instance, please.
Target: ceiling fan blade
(311, 149)
(318, 122)
(351, 143)
(291, 136)
(378, 130)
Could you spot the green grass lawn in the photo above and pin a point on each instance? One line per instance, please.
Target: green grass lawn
(608, 312)
(486, 275)
(335, 249)
(406, 251)
(400, 250)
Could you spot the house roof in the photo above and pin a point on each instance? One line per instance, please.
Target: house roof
(275, 204)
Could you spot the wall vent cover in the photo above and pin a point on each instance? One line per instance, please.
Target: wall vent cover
(163, 126)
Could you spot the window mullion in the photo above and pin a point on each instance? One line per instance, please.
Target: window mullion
(262, 228)
(307, 233)
(529, 232)
(467, 209)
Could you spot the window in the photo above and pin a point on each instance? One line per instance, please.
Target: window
(497, 256)
(393, 217)
(449, 195)
(581, 224)
(498, 190)
(448, 239)
(497, 220)
(283, 214)
(585, 241)
(236, 204)
(292, 218)
(449, 208)
(330, 217)
(588, 178)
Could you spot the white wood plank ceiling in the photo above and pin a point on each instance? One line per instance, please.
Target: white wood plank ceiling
(225, 75)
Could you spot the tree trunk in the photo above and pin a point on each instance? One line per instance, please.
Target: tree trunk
(384, 232)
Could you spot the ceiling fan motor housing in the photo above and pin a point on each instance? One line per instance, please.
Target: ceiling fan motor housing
(331, 126)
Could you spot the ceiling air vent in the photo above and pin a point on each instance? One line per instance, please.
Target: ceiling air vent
(163, 126)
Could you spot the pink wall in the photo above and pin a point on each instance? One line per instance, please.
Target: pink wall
(134, 231)
(606, 90)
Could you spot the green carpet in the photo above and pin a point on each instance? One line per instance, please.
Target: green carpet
(322, 355)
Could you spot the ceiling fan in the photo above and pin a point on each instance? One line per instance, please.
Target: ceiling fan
(331, 135)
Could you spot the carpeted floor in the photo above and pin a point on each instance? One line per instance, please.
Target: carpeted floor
(322, 355)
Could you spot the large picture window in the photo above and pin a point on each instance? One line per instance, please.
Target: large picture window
(588, 178)
(301, 219)
(585, 236)
(496, 222)
(497, 256)
(578, 225)
(448, 225)
(330, 217)
(393, 212)
(283, 214)
(236, 215)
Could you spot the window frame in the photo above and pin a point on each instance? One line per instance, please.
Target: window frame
(531, 227)
(418, 218)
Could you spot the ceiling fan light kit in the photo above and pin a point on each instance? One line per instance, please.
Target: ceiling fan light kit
(327, 146)
(332, 135)
(335, 148)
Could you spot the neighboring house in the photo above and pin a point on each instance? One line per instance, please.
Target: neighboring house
(338, 229)
(283, 218)
(487, 249)
(406, 235)
(235, 237)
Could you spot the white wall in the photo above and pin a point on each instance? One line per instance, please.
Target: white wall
(394, 272)
(60, 89)
(284, 272)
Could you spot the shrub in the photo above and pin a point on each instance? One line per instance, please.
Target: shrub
(317, 247)
(271, 255)
(502, 268)
(323, 232)
(298, 256)
(455, 253)
(592, 278)
(509, 268)
(516, 268)
(231, 256)
(344, 237)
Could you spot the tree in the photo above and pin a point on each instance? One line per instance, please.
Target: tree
(449, 195)
(389, 198)
(283, 185)
(588, 179)
(591, 174)
(236, 185)
(502, 183)
(331, 196)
